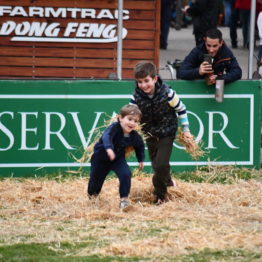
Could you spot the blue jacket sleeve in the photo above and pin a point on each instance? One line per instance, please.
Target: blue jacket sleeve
(233, 71)
(139, 148)
(108, 135)
(189, 69)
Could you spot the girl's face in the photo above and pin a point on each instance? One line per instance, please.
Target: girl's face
(147, 84)
(129, 123)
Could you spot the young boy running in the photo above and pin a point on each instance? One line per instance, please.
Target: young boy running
(160, 107)
(109, 153)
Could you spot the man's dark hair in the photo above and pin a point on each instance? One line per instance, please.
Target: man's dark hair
(144, 69)
(214, 33)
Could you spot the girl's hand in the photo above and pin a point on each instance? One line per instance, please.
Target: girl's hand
(111, 154)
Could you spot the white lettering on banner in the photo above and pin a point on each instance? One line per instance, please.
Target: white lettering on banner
(7, 132)
(91, 13)
(73, 11)
(5, 10)
(80, 130)
(30, 29)
(211, 131)
(48, 131)
(25, 130)
(91, 30)
(7, 28)
(17, 11)
(61, 121)
(93, 128)
(73, 32)
(36, 11)
(62, 12)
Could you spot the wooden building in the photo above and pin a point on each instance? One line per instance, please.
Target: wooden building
(52, 39)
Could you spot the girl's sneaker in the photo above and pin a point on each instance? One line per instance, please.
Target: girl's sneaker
(125, 205)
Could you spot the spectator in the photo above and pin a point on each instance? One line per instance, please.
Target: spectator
(227, 12)
(224, 62)
(204, 15)
(244, 13)
(233, 24)
(166, 13)
(259, 26)
(179, 14)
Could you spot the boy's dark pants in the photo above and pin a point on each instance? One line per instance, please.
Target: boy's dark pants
(100, 169)
(160, 150)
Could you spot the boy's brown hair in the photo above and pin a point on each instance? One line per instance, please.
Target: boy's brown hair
(144, 69)
(130, 110)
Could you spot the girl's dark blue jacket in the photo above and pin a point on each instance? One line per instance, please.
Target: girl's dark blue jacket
(113, 138)
(224, 65)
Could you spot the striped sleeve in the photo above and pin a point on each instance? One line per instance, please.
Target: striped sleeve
(180, 109)
(132, 100)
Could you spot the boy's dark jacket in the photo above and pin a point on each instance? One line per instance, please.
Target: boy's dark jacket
(158, 117)
(113, 138)
(225, 64)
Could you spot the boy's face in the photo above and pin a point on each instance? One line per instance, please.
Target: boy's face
(147, 84)
(129, 123)
(213, 45)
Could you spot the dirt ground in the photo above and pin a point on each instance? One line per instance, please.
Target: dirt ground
(198, 216)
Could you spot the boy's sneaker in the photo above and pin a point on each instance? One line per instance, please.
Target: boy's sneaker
(159, 201)
(124, 205)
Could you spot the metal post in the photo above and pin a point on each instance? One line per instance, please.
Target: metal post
(251, 38)
(119, 39)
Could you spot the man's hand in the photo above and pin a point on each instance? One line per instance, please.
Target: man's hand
(212, 79)
(205, 68)
(111, 154)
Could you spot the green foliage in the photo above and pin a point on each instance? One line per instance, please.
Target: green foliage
(215, 174)
(230, 255)
(206, 174)
(58, 176)
(223, 175)
(65, 252)
(55, 252)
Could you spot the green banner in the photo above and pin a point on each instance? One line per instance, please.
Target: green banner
(46, 125)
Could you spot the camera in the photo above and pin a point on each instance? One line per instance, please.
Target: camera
(208, 58)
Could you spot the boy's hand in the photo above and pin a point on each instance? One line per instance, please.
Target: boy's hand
(111, 154)
(188, 135)
(141, 166)
(185, 8)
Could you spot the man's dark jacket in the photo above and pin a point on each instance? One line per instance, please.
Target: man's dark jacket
(224, 65)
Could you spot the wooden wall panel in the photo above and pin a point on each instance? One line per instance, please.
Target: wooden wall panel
(27, 59)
